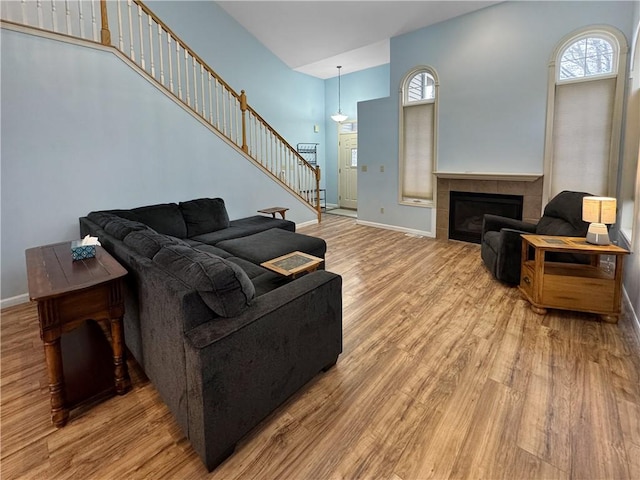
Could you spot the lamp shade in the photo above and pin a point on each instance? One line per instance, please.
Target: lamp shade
(338, 117)
(599, 210)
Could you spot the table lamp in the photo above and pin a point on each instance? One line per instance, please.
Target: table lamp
(600, 211)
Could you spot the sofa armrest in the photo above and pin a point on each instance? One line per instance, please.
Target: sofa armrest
(495, 223)
(269, 303)
(240, 369)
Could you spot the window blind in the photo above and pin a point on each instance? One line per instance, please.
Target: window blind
(417, 178)
(583, 119)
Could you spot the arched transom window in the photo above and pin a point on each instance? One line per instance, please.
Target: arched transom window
(588, 56)
(418, 136)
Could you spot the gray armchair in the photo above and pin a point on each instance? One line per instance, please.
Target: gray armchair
(501, 246)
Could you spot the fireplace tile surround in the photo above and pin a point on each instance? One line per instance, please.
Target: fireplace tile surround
(530, 189)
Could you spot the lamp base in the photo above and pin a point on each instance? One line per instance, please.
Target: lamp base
(598, 234)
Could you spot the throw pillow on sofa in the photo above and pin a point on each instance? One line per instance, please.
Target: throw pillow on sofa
(223, 286)
(148, 242)
(204, 215)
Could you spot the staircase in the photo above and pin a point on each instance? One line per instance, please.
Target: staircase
(138, 36)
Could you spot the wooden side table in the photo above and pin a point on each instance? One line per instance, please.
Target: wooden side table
(294, 264)
(273, 211)
(68, 293)
(571, 286)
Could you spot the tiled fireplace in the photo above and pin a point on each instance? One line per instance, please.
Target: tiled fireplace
(529, 186)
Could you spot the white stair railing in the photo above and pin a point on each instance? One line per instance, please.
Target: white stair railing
(151, 45)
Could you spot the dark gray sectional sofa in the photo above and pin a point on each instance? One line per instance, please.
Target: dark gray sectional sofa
(223, 340)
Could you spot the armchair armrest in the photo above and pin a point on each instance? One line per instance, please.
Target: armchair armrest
(495, 223)
(510, 255)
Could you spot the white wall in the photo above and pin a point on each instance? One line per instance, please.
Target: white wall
(82, 131)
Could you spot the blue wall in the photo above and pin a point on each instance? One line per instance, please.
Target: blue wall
(355, 87)
(82, 131)
(492, 65)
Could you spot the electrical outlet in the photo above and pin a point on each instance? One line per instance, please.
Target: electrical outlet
(364, 168)
(381, 168)
(316, 128)
(381, 209)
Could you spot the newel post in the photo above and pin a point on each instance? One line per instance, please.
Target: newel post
(243, 108)
(318, 209)
(105, 34)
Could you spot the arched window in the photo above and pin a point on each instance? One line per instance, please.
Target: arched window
(588, 56)
(584, 113)
(418, 136)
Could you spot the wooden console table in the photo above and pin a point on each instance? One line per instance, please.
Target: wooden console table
(69, 293)
(571, 286)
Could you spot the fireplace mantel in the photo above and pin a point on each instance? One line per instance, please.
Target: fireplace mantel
(509, 177)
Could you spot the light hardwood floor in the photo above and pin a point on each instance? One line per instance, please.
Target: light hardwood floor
(445, 374)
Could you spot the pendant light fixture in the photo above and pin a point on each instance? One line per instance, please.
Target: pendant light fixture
(338, 117)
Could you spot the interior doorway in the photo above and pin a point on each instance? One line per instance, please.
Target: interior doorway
(348, 166)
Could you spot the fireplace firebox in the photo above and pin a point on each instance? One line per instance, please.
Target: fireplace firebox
(467, 209)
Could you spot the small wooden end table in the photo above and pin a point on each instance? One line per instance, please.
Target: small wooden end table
(273, 211)
(69, 292)
(294, 264)
(571, 286)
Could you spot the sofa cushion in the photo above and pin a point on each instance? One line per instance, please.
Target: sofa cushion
(223, 286)
(121, 227)
(251, 269)
(147, 242)
(273, 243)
(260, 223)
(213, 238)
(204, 215)
(163, 218)
(203, 247)
(101, 218)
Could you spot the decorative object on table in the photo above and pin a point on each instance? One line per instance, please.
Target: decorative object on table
(600, 212)
(339, 117)
(85, 248)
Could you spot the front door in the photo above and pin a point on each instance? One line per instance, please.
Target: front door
(348, 171)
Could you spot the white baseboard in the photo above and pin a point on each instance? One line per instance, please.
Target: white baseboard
(17, 300)
(306, 224)
(396, 228)
(635, 322)
(332, 205)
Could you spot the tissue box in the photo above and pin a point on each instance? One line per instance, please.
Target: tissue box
(80, 252)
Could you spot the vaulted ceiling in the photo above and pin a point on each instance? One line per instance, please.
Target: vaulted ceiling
(313, 37)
